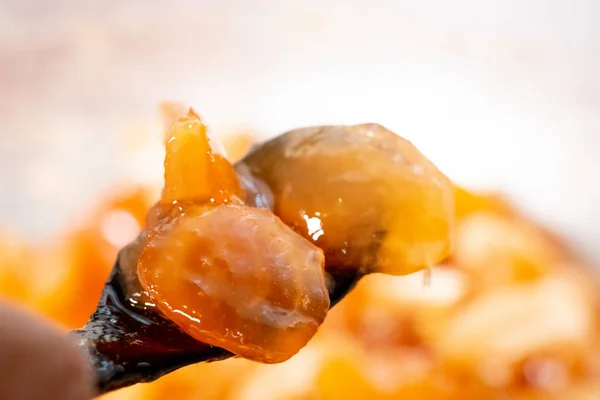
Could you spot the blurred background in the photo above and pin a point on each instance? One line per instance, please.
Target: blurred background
(503, 96)
(500, 94)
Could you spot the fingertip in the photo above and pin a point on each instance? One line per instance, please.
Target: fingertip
(38, 360)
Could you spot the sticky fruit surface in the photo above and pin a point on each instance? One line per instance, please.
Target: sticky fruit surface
(227, 274)
(363, 194)
(238, 278)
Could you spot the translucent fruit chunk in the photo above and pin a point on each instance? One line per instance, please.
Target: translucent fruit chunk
(227, 274)
(238, 278)
(363, 194)
(193, 172)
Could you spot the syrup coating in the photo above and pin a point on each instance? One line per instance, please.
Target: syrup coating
(227, 274)
(193, 171)
(238, 278)
(363, 194)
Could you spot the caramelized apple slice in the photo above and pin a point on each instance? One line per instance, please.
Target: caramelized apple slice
(238, 278)
(227, 274)
(363, 194)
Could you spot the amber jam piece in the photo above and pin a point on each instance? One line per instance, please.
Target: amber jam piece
(237, 277)
(363, 194)
(227, 274)
(193, 171)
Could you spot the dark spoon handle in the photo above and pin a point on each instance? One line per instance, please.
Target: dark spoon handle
(112, 373)
(127, 346)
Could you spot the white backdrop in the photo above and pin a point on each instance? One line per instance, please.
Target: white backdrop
(500, 94)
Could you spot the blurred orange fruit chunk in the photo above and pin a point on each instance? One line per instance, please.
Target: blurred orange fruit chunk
(88, 253)
(497, 249)
(467, 203)
(16, 267)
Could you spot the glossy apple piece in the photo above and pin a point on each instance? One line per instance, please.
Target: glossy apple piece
(238, 278)
(227, 274)
(363, 194)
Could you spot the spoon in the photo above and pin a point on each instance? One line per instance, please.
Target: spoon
(379, 204)
(126, 346)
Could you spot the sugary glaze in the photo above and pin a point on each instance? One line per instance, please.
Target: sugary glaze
(227, 274)
(217, 260)
(363, 194)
